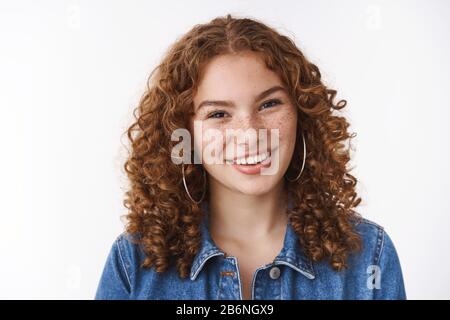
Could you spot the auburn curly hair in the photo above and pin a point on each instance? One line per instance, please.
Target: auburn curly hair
(159, 211)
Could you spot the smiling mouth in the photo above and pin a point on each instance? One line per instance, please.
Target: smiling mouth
(251, 160)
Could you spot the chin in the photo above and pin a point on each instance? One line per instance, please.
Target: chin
(254, 189)
(248, 184)
(253, 185)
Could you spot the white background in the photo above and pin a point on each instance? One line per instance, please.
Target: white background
(72, 71)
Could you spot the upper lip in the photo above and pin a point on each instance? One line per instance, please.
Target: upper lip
(250, 155)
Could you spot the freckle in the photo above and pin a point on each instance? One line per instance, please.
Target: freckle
(287, 117)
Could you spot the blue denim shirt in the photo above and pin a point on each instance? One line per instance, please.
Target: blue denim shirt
(374, 273)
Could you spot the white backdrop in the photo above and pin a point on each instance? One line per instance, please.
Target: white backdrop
(72, 71)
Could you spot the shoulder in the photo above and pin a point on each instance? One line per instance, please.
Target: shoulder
(380, 260)
(373, 237)
(129, 252)
(129, 248)
(127, 241)
(119, 273)
(378, 250)
(375, 240)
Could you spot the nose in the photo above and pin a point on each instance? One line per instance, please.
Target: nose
(248, 134)
(249, 121)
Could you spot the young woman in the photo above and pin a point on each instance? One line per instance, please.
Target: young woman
(226, 229)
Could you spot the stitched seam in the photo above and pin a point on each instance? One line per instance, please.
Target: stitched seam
(122, 261)
(303, 272)
(281, 284)
(201, 261)
(197, 269)
(220, 287)
(239, 277)
(380, 246)
(255, 274)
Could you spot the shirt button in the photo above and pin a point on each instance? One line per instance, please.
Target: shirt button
(275, 273)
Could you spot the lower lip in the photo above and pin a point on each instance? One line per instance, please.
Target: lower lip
(252, 168)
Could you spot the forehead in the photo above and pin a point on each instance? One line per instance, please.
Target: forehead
(235, 76)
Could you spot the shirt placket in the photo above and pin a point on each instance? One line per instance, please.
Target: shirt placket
(230, 287)
(266, 283)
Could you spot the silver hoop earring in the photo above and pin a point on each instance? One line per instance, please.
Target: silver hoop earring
(186, 187)
(304, 160)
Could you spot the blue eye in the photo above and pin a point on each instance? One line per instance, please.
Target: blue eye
(270, 103)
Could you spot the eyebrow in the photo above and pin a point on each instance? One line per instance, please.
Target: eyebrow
(228, 103)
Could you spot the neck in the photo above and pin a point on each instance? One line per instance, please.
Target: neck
(238, 216)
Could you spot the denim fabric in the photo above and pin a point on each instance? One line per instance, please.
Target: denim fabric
(374, 273)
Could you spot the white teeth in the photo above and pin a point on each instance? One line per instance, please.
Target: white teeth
(263, 157)
(250, 160)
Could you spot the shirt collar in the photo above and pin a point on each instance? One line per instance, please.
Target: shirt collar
(290, 255)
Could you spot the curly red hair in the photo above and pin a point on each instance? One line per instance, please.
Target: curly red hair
(324, 198)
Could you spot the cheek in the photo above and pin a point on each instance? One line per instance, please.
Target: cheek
(289, 126)
(211, 141)
(286, 122)
(197, 127)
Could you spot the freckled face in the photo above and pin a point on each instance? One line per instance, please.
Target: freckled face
(235, 84)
